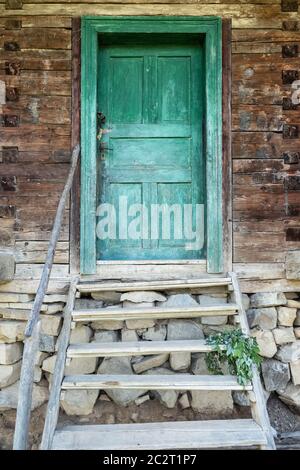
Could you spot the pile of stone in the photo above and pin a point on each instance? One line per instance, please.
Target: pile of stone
(14, 312)
(82, 402)
(274, 319)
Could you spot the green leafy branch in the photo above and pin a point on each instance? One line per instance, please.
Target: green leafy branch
(238, 350)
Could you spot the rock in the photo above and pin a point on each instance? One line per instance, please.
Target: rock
(267, 299)
(109, 297)
(80, 334)
(180, 360)
(276, 374)
(128, 304)
(8, 297)
(105, 336)
(11, 331)
(40, 357)
(293, 303)
(119, 365)
(265, 318)
(246, 301)
(9, 374)
(266, 343)
(283, 335)
(107, 324)
(149, 362)
(291, 396)
(139, 401)
(156, 333)
(184, 329)
(143, 296)
(286, 316)
(213, 329)
(240, 398)
(37, 375)
(292, 265)
(214, 402)
(103, 397)
(51, 324)
(139, 324)
(129, 335)
(179, 300)
(290, 352)
(49, 364)
(208, 301)
(184, 401)
(88, 304)
(166, 397)
(10, 353)
(214, 320)
(297, 320)
(7, 266)
(295, 371)
(9, 396)
(79, 402)
(81, 365)
(297, 333)
(291, 295)
(199, 366)
(47, 343)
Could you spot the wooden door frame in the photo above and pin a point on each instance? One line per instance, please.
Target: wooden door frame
(218, 180)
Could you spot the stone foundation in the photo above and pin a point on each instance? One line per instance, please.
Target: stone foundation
(274, 319)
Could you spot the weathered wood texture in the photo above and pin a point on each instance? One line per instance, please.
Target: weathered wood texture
(36, 65)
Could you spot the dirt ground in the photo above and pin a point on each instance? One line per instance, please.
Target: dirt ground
(106, 413)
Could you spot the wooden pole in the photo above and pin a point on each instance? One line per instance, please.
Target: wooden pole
(33, 325)
(53, 403)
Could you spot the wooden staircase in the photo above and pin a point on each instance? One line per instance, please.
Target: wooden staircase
(235, 433)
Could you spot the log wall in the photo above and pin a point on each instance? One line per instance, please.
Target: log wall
(35, 128)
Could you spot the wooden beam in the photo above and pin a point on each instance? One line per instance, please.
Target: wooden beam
(75, 191)
(226, 143)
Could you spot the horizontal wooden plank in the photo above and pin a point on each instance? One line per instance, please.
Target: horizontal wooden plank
(36, 251)
(34, 271)
(38, 38)
(261, 35)
(243, 16)
(254, 118)
(153, 382)
(28, 286)
(171, 435)
(136, 348)
(276, 285)
(152, 285)
(38, 59)
(38, 21)
(40, 82)
(258, 271)
(155, 312)
(256, 145)
(40, 109)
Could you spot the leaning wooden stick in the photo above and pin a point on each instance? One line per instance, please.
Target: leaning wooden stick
(33, 325)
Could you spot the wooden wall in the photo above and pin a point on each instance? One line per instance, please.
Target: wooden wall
(35, 127)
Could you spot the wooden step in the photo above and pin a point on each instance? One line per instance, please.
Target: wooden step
(136, 348)
(152, 285)
(153, 382)
(153, 312)
(215, 434)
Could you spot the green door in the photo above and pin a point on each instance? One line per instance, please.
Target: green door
(151, 167)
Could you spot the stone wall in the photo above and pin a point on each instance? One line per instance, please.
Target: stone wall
(274, 319)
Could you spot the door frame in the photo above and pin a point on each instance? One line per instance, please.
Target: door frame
(211, 28)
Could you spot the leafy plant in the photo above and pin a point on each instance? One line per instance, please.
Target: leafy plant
(238, 350)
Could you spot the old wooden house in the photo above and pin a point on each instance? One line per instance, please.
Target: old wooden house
(187, 114)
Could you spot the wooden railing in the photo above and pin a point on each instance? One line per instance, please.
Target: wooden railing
(33, 325)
